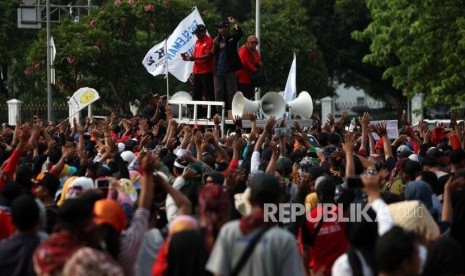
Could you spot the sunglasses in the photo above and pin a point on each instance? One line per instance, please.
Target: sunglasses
(253, 42)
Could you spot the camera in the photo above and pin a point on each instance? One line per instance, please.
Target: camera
(281, 131)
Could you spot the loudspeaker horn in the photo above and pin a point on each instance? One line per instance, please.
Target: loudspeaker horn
(302, 106)
(273, 104)
(241, 105)
(180, 96)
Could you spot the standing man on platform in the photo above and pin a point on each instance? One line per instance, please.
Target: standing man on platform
(203, 67)
(227, 61)
(250, 58)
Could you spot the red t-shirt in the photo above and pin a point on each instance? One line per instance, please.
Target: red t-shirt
(330, 242)
(202, 47)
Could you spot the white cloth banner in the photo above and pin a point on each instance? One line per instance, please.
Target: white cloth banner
(180, 41)
(391, 128)
(155, 60)
(290, 92)
(83, 97)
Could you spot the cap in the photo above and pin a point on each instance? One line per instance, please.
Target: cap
(200, 28)
(51, 182)
(223, 24)
(434, 152)
(404, 151)
(107, 211)
(179, 163)
(128, 156)
(264, 189)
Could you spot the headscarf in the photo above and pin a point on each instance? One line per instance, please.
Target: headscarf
(311, 200)
(214, 207)
(419, 190)
(53, 253)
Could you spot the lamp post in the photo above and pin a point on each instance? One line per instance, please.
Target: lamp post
(49, 62)
(257, 34)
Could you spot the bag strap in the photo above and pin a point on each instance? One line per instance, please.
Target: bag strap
(317, 229)
(248, 251)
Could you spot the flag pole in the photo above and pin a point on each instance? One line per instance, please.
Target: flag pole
(166, 72)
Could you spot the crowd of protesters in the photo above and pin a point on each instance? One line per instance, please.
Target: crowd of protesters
(147, 196)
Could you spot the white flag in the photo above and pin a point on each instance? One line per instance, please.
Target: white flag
(155, 60)
(290, 92)
(180, 41)
(53, 50)
(83, 97)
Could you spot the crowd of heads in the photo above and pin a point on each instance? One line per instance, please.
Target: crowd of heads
(98, 195)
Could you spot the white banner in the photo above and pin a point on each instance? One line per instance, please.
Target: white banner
(180, 41)
(155, 60)
(83, 97)
(391, 128)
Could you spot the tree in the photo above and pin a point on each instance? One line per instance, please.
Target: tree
(420, 43)
(104, 50)
(14, 44)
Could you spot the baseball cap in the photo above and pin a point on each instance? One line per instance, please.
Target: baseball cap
(200, 28)
(110, 212)
(404, 151)
(223, 24)
(434, 152)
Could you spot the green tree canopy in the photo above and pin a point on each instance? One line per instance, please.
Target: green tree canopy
(105, 50)
(421, 45)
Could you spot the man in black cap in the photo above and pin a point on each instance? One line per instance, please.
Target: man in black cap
(227, 61)
(203, 66)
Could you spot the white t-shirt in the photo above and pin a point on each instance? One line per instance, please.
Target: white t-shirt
(275, 254)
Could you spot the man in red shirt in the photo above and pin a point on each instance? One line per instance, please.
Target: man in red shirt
(203, 66)
(327, 237)
(250, 59)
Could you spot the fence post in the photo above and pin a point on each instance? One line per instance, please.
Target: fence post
(71, 114)
(326, 108)
(417, 111)
(14, 109)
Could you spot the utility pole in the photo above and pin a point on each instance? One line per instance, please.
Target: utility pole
(49, 61)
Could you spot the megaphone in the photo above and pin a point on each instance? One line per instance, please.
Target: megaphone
(273, 104)
(302, 106)
(180, 96)
(241, 105)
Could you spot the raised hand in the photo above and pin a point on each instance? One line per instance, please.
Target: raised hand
(380, 129)
(190, 174)
(349, 143)
(238, 122)
(216, 119)
(252, 116)
(365, 119)
(270, 123)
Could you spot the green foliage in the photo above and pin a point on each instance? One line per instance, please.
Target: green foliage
(105, 50)
(420, 43)
(14, 41)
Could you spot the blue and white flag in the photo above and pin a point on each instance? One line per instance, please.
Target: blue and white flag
(180, 41)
